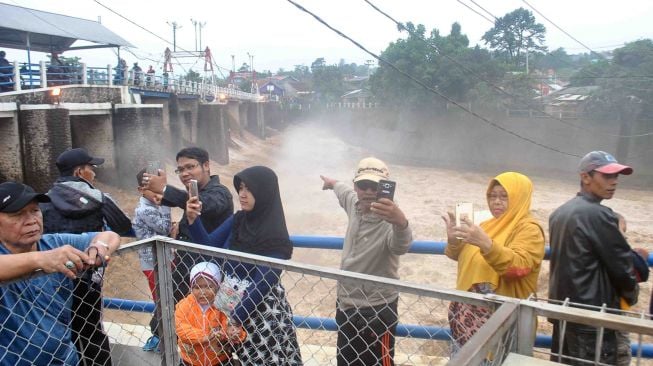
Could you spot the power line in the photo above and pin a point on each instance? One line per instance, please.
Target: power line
(401, 26)
(428, 88)
(476, 11)
(562, 30)
(485, 10)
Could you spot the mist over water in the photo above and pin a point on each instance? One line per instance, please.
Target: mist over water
(304, 151)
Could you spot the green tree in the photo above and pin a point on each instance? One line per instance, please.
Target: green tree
(327, 80)
(515, 33)
(193, 76)
(624, 84)
(437, 63)
(556, 59)
(244, 67)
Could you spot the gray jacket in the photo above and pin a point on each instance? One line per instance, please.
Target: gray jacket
(372, 246)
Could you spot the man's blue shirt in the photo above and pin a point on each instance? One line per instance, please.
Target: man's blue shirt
(35, 313)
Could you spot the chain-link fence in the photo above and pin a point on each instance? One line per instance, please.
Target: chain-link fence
(252, 310)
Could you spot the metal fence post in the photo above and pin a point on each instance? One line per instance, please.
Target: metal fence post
(526, 324)
(109, 76)
(163, 259)
(44, 74)
(84, 75)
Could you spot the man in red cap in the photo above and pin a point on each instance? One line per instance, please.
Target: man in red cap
(591, 262)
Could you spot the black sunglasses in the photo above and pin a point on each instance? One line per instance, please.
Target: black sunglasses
(364, 185)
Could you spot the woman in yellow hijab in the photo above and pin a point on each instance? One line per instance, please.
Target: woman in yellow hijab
(501, 255)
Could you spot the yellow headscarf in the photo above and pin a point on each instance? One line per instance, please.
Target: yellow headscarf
(472, 267)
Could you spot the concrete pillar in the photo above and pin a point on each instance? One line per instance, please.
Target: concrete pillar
(84, 74)
(138, 135)
(45, 133)
(213, 131)
(17, 85)
(232, 116)
(11, 166)
(260, 119)
(95, 133)
(44, 74)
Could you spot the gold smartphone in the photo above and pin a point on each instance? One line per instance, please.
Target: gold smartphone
(464, 209)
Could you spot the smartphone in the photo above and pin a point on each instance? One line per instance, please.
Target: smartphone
(464, 209)
(153, 167)
(386, 189)
(193, 191)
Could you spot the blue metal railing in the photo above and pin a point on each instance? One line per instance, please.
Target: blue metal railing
(418, 246)
(329, 324)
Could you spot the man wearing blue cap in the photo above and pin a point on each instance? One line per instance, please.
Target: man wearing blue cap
(35, 312)
(591, 261)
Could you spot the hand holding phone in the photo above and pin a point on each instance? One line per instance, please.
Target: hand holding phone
(193, 191)
(386, 189)
(153, 167)
(464, 210)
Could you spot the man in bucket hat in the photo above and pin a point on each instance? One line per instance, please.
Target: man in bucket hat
(377, 234)
(591, 261)
(35, 311)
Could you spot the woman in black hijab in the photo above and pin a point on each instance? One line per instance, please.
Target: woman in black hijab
(258, 228)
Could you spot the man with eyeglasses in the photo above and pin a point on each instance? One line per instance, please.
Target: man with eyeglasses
(76, 207)
(217, 206)
(377, 234)
(591, 262)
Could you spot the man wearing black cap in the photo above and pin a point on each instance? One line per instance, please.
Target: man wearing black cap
(591, 261)
(78, 207)
(34, 311)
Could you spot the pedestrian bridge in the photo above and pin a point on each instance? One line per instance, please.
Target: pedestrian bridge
(25, 77)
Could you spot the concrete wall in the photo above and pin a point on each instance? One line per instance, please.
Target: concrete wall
(213, 131)
(452, 140)
(138, 133)
(45, 133)
(69, 94)
(11, 166)
(233, 116)
(95, 134)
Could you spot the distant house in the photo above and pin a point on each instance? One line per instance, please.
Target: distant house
(355, 82)
(356, 96)
(283, 87)
(569, 102)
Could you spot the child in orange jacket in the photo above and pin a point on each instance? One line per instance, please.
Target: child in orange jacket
(205, 336)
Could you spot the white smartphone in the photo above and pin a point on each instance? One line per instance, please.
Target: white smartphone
(464, 209)
(193, 191)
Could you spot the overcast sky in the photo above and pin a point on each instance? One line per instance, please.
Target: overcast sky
(281, 36)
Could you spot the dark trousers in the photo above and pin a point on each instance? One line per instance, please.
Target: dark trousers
(582, 344)
(366, 336)
(90, 340)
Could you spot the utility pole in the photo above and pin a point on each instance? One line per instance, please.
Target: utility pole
(233, 63)
(368, 63)
(251, 69)
(201, 25)
(174, 26)
(195, 25)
